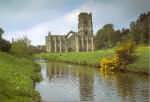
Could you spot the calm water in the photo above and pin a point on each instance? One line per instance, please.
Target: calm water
(72, 83)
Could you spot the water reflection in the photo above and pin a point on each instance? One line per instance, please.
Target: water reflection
(86, 80)
(129, 86)
(71, 83)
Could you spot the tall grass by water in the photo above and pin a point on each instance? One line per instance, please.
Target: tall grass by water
(17, 76)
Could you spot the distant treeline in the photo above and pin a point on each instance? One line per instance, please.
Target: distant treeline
(139, 31)
(106, 37)
(20, 47)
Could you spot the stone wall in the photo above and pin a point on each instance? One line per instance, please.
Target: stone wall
(73, 41)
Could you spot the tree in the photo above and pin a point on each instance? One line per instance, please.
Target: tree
(21, 48)
(37, 49)
(124, 35)
(1, 32)
(4, 45)
(139, 29)
(139, 32)
(106, 37)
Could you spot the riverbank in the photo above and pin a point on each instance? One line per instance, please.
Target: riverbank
(141, 63)
(17, 79)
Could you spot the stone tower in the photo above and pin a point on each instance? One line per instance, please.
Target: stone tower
(82, 40)
(85, 32)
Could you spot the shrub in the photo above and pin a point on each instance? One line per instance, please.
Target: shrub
(124, 55)
(21, 48)
(125, 52)
(4, 45)
(109, 64)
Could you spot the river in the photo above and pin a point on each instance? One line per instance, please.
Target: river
(73, 83)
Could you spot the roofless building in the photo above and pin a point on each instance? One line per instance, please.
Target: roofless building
(82, 40)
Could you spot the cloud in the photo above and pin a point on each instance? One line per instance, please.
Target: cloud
(119, 13)
(37, 33)
(35, 18)
(102, 14)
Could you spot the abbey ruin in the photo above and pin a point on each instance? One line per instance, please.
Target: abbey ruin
(82, 40)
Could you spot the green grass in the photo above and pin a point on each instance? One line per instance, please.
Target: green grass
(17, 79)
(142, 60)
(93, 58)
(88, 58)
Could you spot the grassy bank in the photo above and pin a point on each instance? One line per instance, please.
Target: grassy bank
(17, 77)
(84, 58)
(93, 58)
(142, 60)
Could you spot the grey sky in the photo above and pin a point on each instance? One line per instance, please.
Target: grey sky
(34, 18)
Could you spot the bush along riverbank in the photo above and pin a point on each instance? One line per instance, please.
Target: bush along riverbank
(17, 79)
(124, 55)
(140, 63)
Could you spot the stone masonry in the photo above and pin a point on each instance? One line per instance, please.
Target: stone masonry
(73, 41)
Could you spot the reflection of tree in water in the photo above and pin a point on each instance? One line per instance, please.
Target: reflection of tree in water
(129, 85)
(86, 80)
(124, 83)
(132, 87)
(125, 87)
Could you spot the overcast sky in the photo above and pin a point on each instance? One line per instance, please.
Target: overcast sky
(34, 18)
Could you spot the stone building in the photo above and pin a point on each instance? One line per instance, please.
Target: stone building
(82, 40)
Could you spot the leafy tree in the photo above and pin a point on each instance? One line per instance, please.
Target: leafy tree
(1, 32)
(107, 36)
(139, 32)
(4, 45)
(124, 35)
(21, 48)
(139, 29)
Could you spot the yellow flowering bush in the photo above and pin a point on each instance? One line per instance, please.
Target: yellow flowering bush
(109, 64)
(123, 56)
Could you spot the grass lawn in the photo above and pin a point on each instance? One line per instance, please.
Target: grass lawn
(142, 61)
(17, 76)
(93, 58)
(87, 58)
